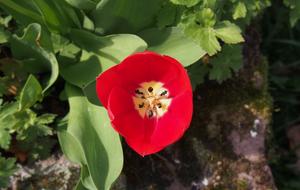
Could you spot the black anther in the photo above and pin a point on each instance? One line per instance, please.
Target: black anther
(139, 92)
(164, 93)
(141, 105)
(150, 89)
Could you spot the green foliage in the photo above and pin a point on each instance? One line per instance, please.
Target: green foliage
(25, 124)
(228, 61)
(188, 3)
(294, 5)
(119, 16)
(197, 73)
(172, 42)
(7, 168)
(35, 49)
(57, 15)
(3, 36)
(29, 129)
(90, 141)
(204, 30)
(31, 93)
(219, 68)
(239, 11)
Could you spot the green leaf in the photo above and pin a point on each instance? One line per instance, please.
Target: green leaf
(82, 4)
(83, 72)
(188, 3)
(22, 10)
(35, 49)
(90, 92)
(125, 16)
(57, 15)
(229, 32)
(295, 14)
(113, 47)
(50, 16)
(46, 118)
(90, 141)
(88, 23)
(99, 54)
(205, 37)
(4, 139)
(31, 93)
(167, 15)
(206, 18)
(197, 73)
(172, 41)
(239, 11)
(228, 60)
(7, 168)
(294, 5)
(5, 20)
(3, 36)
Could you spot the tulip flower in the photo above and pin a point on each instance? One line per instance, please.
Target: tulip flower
(149, 100)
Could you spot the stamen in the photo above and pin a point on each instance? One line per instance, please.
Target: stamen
(159, 105)
(150, 113)
(151, 99)
(150, 89)
(163, 93)
(139, 92)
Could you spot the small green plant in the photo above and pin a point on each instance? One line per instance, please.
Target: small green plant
(7, 168)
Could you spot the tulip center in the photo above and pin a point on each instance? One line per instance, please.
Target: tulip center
(151, 99)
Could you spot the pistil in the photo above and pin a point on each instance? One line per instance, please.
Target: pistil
(151, 99)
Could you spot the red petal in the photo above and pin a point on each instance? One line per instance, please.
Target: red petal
(105, 83)
(126, 119)
(130, 126)
(167, 129)
(181, 83)
(147, 66)
(143, 148)
(120, 102)
(173, 124)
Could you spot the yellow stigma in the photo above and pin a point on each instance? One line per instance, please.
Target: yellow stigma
(151, 99)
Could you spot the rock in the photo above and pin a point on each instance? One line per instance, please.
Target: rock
(56, 172)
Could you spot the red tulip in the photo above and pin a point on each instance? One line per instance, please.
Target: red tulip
(149, 100)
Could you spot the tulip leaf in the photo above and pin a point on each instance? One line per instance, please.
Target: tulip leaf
(34, 48)
(90, 92)
(23, 11)
(30, 94)
(90, 141)
(125, 16)
(82, 4)
(113, 47)
(98, 54)
(58, 15)
(172, 41)
(83, 72)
